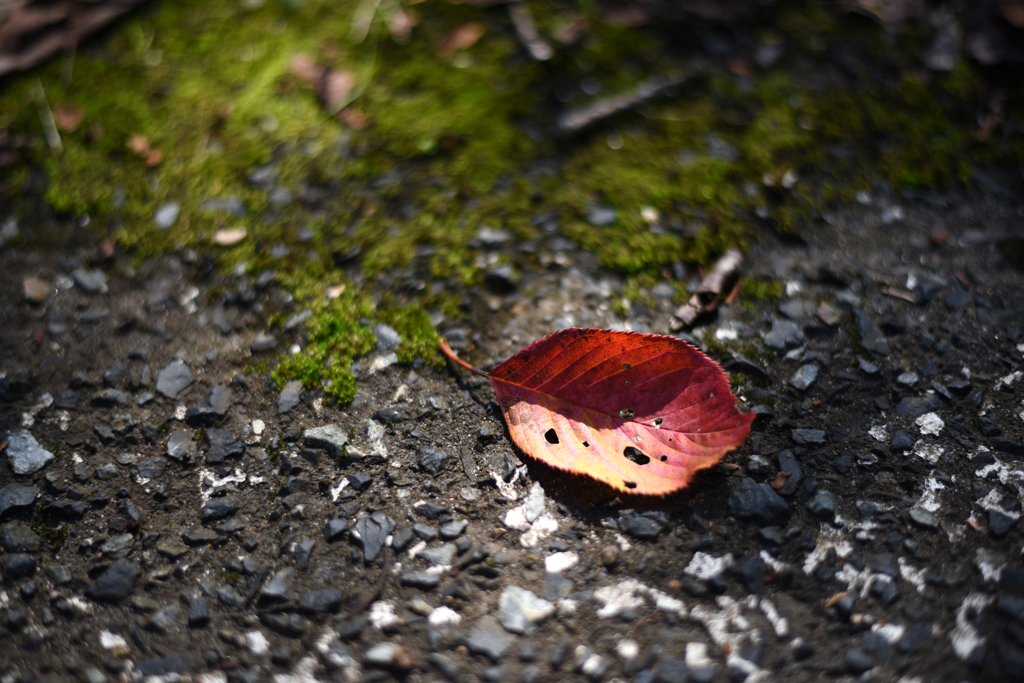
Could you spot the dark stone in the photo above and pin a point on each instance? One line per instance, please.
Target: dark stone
(452, 530)
(303, 551)
(393, 414)
(957, 299)
(758, 503)
(901, 441)
(433, 460)
(219, 508)
(784, 335)
(290, 396)
(230, 597)
(808, 436)
(750, 571)
(884, 590)
(173, 378)
(371, 533)
(423, 580)
(323, 600)
(999, 523)
(171, 664)
(335, 529)
(915, 636)
(198, 613)
(222, 445)
(445, 667)
(150, 469)
(350, 629)
(279, 588)
(129, 511)
(360, 481)
(502, 278)
(670, 670)
(857, 661)
(18, 537)
(988, 427)
(401, 539)
(15, 496)
(424, 531)
(181, 447)
(871, 338)
(915, 406)
(643, 527)
(1007, 446)
(789, 463)
(199, 536)
(823, 504)
(19, 566)
(884, 563)
(114, 584)
(867, 367)
(66, 509)
(213, 408)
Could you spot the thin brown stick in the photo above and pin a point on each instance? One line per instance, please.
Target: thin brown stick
(450, 355)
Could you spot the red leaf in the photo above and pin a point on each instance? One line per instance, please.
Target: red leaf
(639, 412)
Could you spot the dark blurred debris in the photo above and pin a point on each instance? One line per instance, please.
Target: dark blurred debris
(715, 287)
(576, 120)
(527, 31)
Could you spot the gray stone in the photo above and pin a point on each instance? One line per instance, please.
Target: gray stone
(387, 338)
(323, 600)
(642, 527)
(788, 463)
(422, 580)
(16, 496)
(331, 438)
(784, 335)
(18, 537)
(166, 215)
(173, 379)
(115, 547)
(213, 408)
(219, 508)
(114, 584)
(198, 613)
(535, 501)
(823, 504)
(452, 530)
(488, 639)
(371, 532)
(90, 281)
(279, 588)
(303, 551)
(871, 338)
(290, 396)
(171, 548)
(442, 555)
(334, 529)
(181, 446)
(601, 216)
(520, 610)
(433, 460)
(916, 406)
(758, 503)
(106, 471)
(222, 446)
(924, 518)
(263, 342)
(18, 566)
(150, 469)
(162, 666)
(25, 454)
(166, 619)
(804, 377)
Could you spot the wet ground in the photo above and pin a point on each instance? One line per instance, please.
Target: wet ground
(194, 521)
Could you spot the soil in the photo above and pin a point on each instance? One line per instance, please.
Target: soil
(767, 603)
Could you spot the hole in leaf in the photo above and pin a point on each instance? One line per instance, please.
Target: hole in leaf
(657, 421)
(586, 444)
(626, 366)
(636, 455)
(630, 484)
(664, 458)
(551, 436)
(626, 413)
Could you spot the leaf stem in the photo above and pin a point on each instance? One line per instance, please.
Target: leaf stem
(450, 355)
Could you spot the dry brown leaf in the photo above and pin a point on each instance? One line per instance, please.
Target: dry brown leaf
(335, 89)
(68, 119)
(353, 117)
(463, 37)
(140, 145)
(306, 69)
(1012, 11)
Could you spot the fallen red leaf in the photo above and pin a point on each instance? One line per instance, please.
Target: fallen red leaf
(464, 36)
(639, 412)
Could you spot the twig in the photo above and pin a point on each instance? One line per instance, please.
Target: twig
(527, 31)
(576, 120)
(713, 288)
(450, 355)
(49, 126)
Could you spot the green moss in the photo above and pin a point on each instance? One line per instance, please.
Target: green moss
(452, 145)
(760, 289)
(52, 536)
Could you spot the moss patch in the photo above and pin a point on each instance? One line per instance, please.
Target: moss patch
(457, 140)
